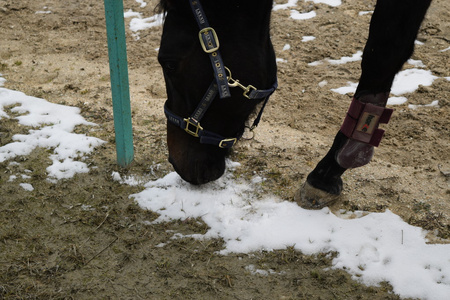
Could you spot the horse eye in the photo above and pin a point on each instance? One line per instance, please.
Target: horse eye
(170, 66)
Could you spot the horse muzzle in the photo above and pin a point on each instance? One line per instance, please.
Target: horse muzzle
(196, 163)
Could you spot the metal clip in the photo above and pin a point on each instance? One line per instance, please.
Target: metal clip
(195, 124)
(210, 47)
(248, 90)
(235, 83)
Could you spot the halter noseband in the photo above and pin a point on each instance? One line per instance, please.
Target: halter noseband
(210, 44)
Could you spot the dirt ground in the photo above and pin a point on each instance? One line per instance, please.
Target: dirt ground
(83, 238)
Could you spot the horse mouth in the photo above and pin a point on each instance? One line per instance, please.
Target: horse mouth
(200, 170)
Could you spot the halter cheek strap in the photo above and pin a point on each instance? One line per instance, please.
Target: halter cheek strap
(221, 85)
(210, 44)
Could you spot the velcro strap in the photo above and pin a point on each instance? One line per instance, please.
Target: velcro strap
(362, 120)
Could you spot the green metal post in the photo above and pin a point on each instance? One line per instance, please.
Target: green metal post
(115, 30)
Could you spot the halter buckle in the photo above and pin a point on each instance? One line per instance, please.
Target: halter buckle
(209, 47)
(193, 123)
(223, 143)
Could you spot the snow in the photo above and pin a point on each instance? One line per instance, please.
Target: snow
(293, 3)
(396, 100)
(296, 15)
(373, 247)
(290, 3)
(343, 60)
(407, 81)
(308, 38)
(255, 271)
(314, 63)
(27, 186)
(142, 3)
(327, 2)
(349, 88)
(367, 12)
(416, 63)
(138, 23)
(49, 126)
(323, 83)
(346, 59)
(434, 103)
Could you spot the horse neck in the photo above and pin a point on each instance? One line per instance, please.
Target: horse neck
(248, 17)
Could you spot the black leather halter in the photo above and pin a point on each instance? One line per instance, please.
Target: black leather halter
(221, 84)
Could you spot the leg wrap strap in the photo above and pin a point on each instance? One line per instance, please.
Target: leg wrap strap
(361, 122)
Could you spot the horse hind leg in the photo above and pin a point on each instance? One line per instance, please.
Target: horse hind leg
(393, 30)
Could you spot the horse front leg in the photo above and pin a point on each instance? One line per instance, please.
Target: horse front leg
(393, 30)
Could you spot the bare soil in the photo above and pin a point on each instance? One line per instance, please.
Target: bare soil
(83, 238)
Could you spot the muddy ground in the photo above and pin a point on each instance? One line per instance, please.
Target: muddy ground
(83, 238)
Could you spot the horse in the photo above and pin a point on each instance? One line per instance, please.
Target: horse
(219, 66)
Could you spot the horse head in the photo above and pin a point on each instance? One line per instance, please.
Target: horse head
(218, 64)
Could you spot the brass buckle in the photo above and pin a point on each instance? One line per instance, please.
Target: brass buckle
(224, 141)
(193, 123)
(210, 44)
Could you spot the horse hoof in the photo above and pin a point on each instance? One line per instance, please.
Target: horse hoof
(309, 197)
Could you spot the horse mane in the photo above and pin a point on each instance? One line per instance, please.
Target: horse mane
(164, 5)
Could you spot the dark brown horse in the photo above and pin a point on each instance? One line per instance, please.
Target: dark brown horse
(219, 63)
